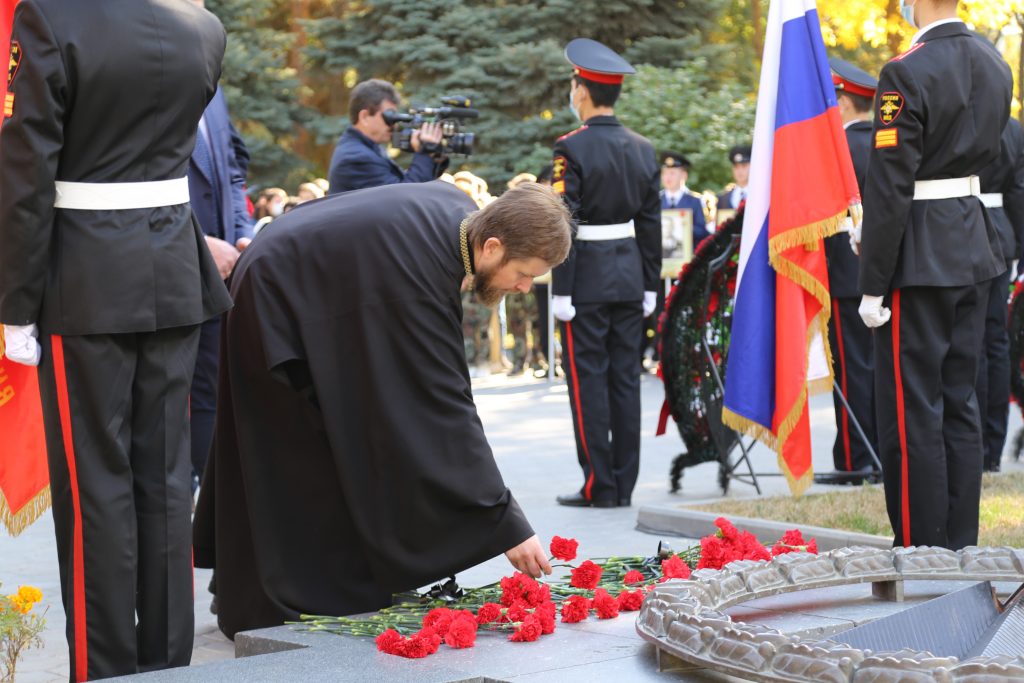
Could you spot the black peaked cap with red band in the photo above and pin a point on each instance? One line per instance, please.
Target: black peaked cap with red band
(597, 62)
(851, 79)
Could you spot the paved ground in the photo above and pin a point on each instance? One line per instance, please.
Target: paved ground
(528, 424)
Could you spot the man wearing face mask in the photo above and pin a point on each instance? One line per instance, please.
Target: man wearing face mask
(928, 254)
(608, 176)
(360, 160)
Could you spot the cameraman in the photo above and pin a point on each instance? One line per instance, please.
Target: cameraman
(361, 161)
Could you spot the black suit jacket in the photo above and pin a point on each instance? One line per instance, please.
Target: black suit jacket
(843, 264)
(1005, 176)
(89, 108)
(941, 108)
(608, 174)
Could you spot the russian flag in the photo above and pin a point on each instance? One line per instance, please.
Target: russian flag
(802, 187)
(24, 477)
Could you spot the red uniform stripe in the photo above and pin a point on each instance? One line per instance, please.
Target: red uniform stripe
(901, 421)
(842, 384)
(579, 409)
(81, 663)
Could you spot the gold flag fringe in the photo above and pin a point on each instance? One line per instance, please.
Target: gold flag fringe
(16, 522)
(806, 236)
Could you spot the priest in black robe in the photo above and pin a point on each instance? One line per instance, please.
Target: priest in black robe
(349, 462)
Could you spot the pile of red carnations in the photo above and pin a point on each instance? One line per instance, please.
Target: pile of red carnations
(527, 609)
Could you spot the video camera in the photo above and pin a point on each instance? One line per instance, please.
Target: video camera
(450, 115)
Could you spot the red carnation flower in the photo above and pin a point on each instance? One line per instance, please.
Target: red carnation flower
(712, 553)
(439, 619)
(489, 612)
(726, 528)
(630, 601)
(389, 641)
(675, 568)
(633, 576)
(518, 611)
(575, 609)
(812, 547)
(529, 631)
(546, 613)
(587, 576)
(781, 548)
(793, 537)
(605, 605)
(462, 633)
(564, 548)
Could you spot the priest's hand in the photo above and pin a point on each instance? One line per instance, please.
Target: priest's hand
(562, 308)
(872, 312)
(20, 345)
(224, 255)
(650, 302)
(529, 558)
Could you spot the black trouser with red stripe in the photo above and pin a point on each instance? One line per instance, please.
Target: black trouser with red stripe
(926, 362)
(602, 366)
(994, 372)
(115, 409)
(853, 366)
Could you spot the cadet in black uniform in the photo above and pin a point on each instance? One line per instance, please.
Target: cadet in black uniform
(735, 193)
(609, 177)
(101, 257)
(1002, 187)
(928, 254)
(850, 339)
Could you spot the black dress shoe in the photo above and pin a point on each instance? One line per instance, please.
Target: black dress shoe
(578, 500)
(855, 478)
(624, 502)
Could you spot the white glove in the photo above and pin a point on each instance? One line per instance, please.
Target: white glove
(650, 301)
(855, 234)
(21, 345)
(872, 312)
(562, 308)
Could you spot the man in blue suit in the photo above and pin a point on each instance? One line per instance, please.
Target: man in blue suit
(675, 171)
(360, 159)
(216, 185)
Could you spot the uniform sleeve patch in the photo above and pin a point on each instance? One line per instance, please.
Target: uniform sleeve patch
(558, 168)
(888, 137)
(14, 63)
(890, 105)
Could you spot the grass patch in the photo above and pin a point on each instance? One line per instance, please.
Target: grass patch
(863, 509)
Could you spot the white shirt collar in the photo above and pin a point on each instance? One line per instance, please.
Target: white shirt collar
(917, 36)
(850, 123)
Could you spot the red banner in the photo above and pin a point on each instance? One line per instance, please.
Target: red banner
(24, 480)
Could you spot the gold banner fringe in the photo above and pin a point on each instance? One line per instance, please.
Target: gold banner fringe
(805, 236)
(17, 522)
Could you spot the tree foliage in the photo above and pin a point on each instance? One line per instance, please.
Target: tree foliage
(291, 64)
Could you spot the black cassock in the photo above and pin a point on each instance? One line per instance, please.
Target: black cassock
(349, 461)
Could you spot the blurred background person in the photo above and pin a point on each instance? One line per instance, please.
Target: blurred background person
(736, 192)
(308, 192)
(269, 205)
(216, 183)
(361, 160)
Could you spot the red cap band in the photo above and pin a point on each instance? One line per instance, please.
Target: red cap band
(851, 87)
(610, 79)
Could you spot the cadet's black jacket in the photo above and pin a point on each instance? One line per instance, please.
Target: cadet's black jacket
(941, 108)
(1005, 176)
(842, 262)
(609, 175)
(89, 106)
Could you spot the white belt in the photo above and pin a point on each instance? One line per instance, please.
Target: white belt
(597, 233)
(949, 188)
(993, 200)
(116, 196)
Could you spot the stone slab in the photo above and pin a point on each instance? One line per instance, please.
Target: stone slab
(675, 520)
